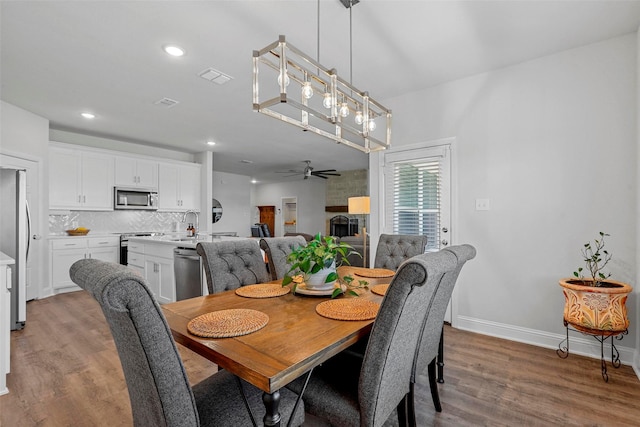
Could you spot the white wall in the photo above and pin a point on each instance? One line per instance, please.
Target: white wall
(118, 145)
(311, 203)
(234, 194)
(23, 132)
(552, 143)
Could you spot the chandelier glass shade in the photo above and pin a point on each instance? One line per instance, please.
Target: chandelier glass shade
(291, 86)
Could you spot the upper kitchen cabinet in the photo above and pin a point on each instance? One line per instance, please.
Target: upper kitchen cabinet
(179, 187)
(80, 180)
(132, 172)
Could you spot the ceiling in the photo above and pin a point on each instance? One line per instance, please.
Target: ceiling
(59, 58)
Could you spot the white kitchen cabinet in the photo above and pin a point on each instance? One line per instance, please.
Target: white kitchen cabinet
(65, 251)
(159, 270)
(154, 262)
(132, 172)
(179, 187)
(80, 180)
(160, 278)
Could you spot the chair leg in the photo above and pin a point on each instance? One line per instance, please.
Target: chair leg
(411, 406)
(403, 421)
(433, 385)
(441, 357)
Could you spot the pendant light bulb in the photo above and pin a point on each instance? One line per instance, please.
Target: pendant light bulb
(344, 109)
(359, 118)
(307, 90)
(372, 125)
(328, 100)
(286, 79)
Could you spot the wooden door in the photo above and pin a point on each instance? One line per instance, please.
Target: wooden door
(268, 216)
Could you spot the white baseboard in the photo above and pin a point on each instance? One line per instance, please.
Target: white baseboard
(579, 343)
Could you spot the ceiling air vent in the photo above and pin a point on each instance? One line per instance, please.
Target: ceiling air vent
(166, 102)
(215, 76)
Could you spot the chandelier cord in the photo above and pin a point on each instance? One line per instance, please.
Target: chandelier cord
(351, 46)
(318, 35)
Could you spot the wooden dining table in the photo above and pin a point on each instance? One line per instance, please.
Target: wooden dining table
(295, 339)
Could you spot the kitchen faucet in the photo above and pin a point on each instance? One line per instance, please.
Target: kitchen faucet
(184, 219)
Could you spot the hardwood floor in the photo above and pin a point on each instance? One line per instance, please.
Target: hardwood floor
(65, 371)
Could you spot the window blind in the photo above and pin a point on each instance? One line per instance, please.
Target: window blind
(414, 191)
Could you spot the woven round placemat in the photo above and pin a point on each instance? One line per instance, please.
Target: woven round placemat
(380, 289)
(348, 309)
(374, 272)
(227, 323)
(263, 290)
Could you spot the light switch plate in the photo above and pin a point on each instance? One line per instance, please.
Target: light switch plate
(482, 204)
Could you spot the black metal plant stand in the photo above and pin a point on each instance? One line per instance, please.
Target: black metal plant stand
(601, 336)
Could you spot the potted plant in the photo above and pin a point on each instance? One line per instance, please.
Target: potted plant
(315, 264)
(596, 303)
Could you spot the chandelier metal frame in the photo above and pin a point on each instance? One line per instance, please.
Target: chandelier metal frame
(287, 70)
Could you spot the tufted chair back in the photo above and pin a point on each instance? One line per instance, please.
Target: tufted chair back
(277, 250)
(231, 264)
(394, 249)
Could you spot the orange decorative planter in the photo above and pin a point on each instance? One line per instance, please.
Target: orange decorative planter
(600, 308)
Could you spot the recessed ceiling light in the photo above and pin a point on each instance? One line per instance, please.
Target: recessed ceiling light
(211, 143)
(88, 115)
(253, 181)
(173, 50)
(248, 162)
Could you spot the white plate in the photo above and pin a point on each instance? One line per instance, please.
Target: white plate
(312, 292)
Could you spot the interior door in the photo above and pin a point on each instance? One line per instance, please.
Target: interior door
(268, 216)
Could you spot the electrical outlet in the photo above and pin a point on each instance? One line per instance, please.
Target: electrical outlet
(482, 204)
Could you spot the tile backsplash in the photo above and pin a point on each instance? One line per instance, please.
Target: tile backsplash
(117, 221)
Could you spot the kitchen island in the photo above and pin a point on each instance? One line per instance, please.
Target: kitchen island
(159, 258)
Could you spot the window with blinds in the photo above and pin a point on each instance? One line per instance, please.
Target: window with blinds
(414, 197)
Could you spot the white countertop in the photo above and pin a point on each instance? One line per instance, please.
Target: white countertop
(183, 240)
(6, 259)
(97, 235)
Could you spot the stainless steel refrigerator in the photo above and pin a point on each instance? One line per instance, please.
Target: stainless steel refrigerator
(15, 228)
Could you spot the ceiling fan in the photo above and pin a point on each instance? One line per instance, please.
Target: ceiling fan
(308, 171)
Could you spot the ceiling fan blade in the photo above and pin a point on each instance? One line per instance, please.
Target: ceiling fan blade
(325, 173)
(326, 170)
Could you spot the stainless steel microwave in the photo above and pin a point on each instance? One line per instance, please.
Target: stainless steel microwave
(135, 198)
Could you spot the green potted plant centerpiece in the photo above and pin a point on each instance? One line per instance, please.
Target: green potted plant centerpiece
(595, 303)
(314, 266)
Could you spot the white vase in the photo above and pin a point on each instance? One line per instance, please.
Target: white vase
(317, 282)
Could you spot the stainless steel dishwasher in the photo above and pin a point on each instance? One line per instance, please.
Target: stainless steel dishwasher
(187, 270)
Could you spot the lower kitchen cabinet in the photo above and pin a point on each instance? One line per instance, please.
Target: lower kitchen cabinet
(154, 262)
(160, 278)
(65, 251)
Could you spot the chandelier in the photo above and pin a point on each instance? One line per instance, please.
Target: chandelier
(300, 91)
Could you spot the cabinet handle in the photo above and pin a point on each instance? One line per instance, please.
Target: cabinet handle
(89, 256)
(69, 244)
(79, 198)
(103, 243)
(84, 199)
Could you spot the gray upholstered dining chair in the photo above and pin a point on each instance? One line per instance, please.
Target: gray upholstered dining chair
(277, 250)
(347, 391)
(394, 249)
(229, 264)
(159, 389)
(432, 331)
